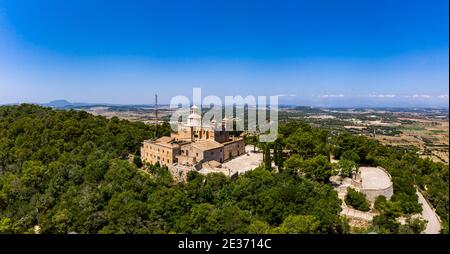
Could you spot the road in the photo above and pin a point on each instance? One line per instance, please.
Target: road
(433, 225)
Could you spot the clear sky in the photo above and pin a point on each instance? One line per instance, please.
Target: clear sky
(323, 53)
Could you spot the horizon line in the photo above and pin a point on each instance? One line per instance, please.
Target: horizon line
(91, 104)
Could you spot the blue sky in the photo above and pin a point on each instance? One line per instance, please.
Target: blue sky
(322, 53)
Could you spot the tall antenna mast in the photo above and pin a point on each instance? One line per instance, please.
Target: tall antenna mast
(156, 107)
(156, 115)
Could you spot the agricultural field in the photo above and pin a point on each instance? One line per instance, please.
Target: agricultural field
(424, 130)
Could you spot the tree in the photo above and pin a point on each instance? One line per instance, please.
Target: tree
(278, 154)
(387, 207)
(298, 224)
(302, 143)
(259, 227)
(67, 171)
(7, 226)
(381, 203)
(227, 220)
(357, 200)
(293, 162)
(350, 155)
(347, 167)
(197, 220)
(413, 226)
(216, 181)
(137, 161)
(267, 157)
(385, 224)
(252, 140)
(317, 168)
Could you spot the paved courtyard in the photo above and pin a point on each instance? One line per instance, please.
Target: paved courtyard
(241, 164)
(374, 178)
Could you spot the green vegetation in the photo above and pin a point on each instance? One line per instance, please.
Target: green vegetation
(300, 224)
(259, 201)
(408, 171)
(347, 167)
(438, 131)
(310, 147)
(267, 158)
(412, 128)
(387, 224)
(350, 155)
(69, 171)
(317, 168)
(357, 200)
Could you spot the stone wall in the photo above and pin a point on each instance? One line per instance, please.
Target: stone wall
(372, 194)
(213, 154)
(233, 149)
(152, 153)
(179, 172)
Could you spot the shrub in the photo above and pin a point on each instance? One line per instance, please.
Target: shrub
(357, 200)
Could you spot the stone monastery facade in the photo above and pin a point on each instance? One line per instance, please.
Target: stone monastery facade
(193, 144)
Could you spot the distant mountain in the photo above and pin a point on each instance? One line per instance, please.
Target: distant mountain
(58, 104)
(65, 104)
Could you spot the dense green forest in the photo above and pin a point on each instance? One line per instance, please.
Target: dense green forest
(69, 171)
(408, 171)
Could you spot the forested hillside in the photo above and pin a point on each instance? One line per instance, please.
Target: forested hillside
(408, 171)
(68, 171)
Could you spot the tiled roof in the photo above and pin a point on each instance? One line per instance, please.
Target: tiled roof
(206, 145)
(164, 139)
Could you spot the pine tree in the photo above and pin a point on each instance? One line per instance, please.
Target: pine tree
(267, 157)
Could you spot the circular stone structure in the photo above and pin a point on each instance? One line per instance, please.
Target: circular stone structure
(375, 182)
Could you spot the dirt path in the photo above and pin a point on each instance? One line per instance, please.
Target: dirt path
(433, 225)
